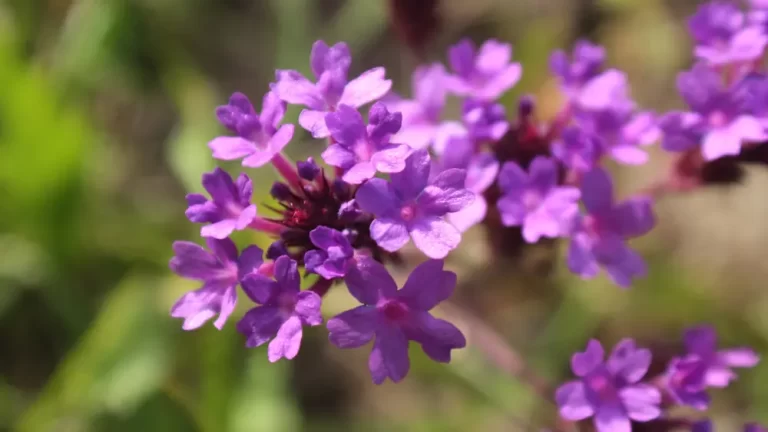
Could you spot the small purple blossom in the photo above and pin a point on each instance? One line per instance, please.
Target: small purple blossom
(605, 92)
(485, 74)
(229, 208)
(308, 170)
(361, 151)
(394, 317)
(259, 136)
(720, 119)
(610, 392)
(282, 313)
(220, 270)
(574, 73)
(421, 115)
(577, 150)
(534, 201)
(599, 237)
(335, 255)
(723, 35)
(621, 133)
(413, 205)
(330, 66)
(485, 121)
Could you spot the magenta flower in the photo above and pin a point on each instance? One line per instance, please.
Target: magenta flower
(534, 201)
(220, 270)
(599, 237)
(585, 64)
(421, 115)
(361, 151)
(485, 74)
(229, 208)
(412, 205)
(610, 392)
(335, 255)
(394, 317)
(330, 66)
(282, 313)
(723, 35)
(259, 136)
(720, 119)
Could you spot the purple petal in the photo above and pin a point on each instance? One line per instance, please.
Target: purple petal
(378, 197)
(597, 191)
(512, 210)
(581, 260)
(287, 274)
(428, 285)
(324, 238)
(470, 215)
(437, 337)
(629, 362)
(272, 110)
(346, 125)
(482, 172)
(451, 178)
(435, 237)
(260, 288)
(493, 56)
(391, 159)
(219, 230)
(429, 87)
(610, 418)
(280, 139)
(224, 249)
(314, 122)
(359, 172)
(368, 87)
(339, 156)
(220, 186)
(317, 57)
(390, 234)
(634, 217)
(501, 82)
(259, 325)
(721, 142)
(462, 57)
(573, 402)
(625, 265)
(197, 307)
(250, 260)
(308, 308)
(389, 356)
(628, 155)
(287, 341)
(293, 88)
(543, 173)
(512, 178)
(584, 363)
(641, 402)
(231, 148)
(701, 340)
(605, 91)
(413, 179)
(192, 261)
(416, 136)
(353, 328)
(369, 281)
(739, 357)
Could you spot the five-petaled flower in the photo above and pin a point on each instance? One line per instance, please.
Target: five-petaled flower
(723, 35)
(334, 255)
(421, 115)
(485, 74)
(229, 208)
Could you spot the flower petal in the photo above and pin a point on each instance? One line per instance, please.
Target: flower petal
(389, 356)
(287, 341)
(629, 362)
(390, 234)
(368, 87)
(308, 307)
(314, 122)
(377, 196)
(597, 191)
(370, 281)
(435, 237)
(428, 285)
(573, 403)
(294, 88)
(260, 288)
(409, 182)
(287, 274)
(611, 418)
(231, 148)
(641, 402)
(437, 337)
(583, 363)
(353, 328)
(259, 325)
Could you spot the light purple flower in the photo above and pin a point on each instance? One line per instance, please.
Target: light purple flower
(259, 136)
(330, 66)
(599, 237)
(220, 270)
(723, 35)
(610, 392)
(574, 73)
(485, 121)
(534, 201)
(421, 115)
(485, 74)
(685, 381)
(413, 205)
(720, 119)
(282, 313)
(577, 149)
(605, 92)
(359, 151)
(621, 133)
(394, 317)
(335, 255)
(229, 208)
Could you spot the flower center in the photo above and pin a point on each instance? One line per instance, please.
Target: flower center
(718, 119)
(408, 212)
(394, 310)
(286, 302)
(531, 200)
(364, 150)
(591, 226)
(601, 385)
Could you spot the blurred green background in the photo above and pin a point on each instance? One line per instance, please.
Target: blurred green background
(106, 107)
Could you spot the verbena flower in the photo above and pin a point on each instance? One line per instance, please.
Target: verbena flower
(282, 312)
(412, 205)
(585, 64)
(719, 120)
(621, 133)
(220, 270)
(229, 208)
(722, 34)
(394, 317)
(485, 121)
(577, 149)
(330, 66)
(335, 255)
(610, 392)
(259, 136)
(485, 74)
(361, 151)
(599, 237)
(534, 201)
(607, 91)
(421, 115)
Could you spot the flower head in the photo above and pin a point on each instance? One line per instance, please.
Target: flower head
(485, 121)
(421, 115)
(220, 270)
(610, 391)
(413, 205)
(394, 317)
(485, 74)
(229, 208)
(330, 66)
(720, 118)
(534, 201)
(361, 151)
(259, 136)
(334, 255)
(282, 312)
(585, 64)
(722, 34)
(599, 237)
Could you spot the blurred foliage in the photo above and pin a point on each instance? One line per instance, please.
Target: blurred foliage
(105, 111)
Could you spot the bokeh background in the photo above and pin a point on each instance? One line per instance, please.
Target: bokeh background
(106, 107)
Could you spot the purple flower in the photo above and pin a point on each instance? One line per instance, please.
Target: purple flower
(706, 426)
(332, 89)
(586, 62)
(394, 317)
(308, 170)
(685, 382)
(335, 255)
(621, 133)
(720, 119)
(283, 312)
(229, 208)
(485, 74)
(598, 238)
(534, 201)
(754, 427)
(610, 391)
(485, 121)
(605, 92)
(412, 204)
(421, 115)
(722, 35)
(577, 150)
(258, 137)
(361, 151)
(220, 270)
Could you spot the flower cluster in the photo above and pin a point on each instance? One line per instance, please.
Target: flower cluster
(398, 173)
(614, 395)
